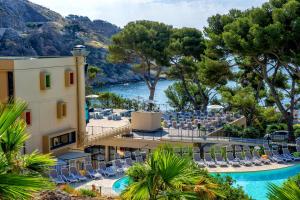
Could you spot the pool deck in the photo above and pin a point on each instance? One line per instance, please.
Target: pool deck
(107, 183)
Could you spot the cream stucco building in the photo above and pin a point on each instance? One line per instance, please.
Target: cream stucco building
(54, 89)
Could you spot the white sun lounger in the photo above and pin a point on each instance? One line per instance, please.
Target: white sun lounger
(232, 161)
(239, 156)
(263, 160)
(118, 166)
(273, 158)
(55, 177)
(67, 176)
(106, 171)
(249, 157)
(74, 172)
(285, 158)
(286, 153)
(209, 161)
(90, 172)
(198, 160)
(220, 161)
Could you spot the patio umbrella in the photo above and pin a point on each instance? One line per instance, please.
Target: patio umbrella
(92, 96)
(215, 107)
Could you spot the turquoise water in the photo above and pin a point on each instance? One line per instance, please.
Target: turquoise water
(138, 90)
(254, 183)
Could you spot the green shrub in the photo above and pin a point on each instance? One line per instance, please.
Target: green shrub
(226, 185)
(296, 126)
(87, 193)
(232, 130)
(297, 132)
(276, 127)
(251, 132)
(296, 154)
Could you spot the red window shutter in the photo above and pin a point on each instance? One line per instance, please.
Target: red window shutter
(28, 118)
(71, 78)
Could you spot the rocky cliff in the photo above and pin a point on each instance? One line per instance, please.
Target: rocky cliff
(28, 29)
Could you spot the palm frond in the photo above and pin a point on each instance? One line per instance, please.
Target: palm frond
(13, 186)
(10, 113)
(14, 137)
(38, 162)
(289, 191)
(136, 191)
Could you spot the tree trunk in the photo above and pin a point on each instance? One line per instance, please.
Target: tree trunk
(290, 120)
(152, 92)
(288, 116)
(185, 87)
(151, 97)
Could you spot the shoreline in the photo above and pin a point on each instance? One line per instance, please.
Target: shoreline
(125, 82)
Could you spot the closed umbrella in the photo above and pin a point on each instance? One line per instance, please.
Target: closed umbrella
(92, 96)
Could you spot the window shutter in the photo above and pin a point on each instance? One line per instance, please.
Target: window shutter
(61, 110)
(45, 81)
(42, 81)
(28, 117)
(64, 108)
(69, 78)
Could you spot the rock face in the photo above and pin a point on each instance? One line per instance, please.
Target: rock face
(28, 29)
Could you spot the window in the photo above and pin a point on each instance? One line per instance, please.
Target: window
(62, 140)
(69, 78)
(10, 83)
(27, 117)
(45, 81)
(61, 110)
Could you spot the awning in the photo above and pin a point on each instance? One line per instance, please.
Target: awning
(73, 155)
(60, 162)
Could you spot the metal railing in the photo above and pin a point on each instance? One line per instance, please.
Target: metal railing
(96, 133)
(196, 137)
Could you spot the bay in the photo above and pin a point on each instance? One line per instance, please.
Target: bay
(139, 90)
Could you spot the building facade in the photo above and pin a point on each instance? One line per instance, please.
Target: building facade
(54, 89)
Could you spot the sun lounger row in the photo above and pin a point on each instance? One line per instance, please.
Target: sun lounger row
(72, 175)
(247, 160)
(275, 156)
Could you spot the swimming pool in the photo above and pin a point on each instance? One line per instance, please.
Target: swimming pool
(254, 183)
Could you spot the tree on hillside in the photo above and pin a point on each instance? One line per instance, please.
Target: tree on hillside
(264, 41)
(143, 44)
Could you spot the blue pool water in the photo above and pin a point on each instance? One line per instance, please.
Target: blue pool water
(254, 183)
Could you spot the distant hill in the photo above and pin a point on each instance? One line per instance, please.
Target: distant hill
(28, 29)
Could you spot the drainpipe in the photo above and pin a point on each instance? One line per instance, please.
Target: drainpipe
(79, 52)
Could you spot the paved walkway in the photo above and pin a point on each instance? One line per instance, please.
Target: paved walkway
(251, 168)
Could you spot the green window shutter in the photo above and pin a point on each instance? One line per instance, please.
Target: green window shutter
(48, 81)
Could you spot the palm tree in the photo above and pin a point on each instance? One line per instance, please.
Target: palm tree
(167, 176)
(290, 190)
(20, 175)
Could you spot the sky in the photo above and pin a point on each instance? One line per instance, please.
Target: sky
(179, 13)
